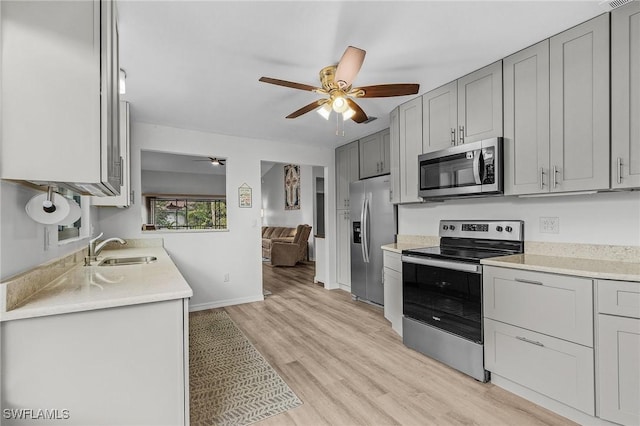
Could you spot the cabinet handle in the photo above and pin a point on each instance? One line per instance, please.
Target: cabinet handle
(555, 177)
(533, 342)
(619, 170)
(461, 135)
(453, 136)
(520, 280)
(541, 177)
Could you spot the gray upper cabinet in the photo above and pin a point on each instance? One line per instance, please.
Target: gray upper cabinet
(625, 96)
(466, 110)
(410, 131)
(526, 120)
(374, 154)
(347, 171)
(579, 107)
(394, 154)
(440, 117)
(480, 104)
(65, 110)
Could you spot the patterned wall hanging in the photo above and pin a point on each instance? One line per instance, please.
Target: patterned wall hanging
(292, 187)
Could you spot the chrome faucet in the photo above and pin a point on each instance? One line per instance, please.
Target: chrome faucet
(94, 250)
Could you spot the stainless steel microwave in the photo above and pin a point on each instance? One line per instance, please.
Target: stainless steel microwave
(472, 169)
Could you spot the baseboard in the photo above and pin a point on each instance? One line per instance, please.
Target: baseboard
(223, 303)
(346, 288)
(548, 403)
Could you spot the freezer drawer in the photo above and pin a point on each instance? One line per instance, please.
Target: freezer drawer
(553, 367)
(556, 305)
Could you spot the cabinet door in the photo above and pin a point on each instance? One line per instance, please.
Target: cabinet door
(346, 172)
(480, 104)
(552, 367)
(410, 148)
(579, 87)
(394, 155)
(393, 299)
(619, 369)
(625, 96)
(124, 199)
(111, 162)
(385, 136)
(343, 251)
(370, 156)
(440, 117)
(526, 120)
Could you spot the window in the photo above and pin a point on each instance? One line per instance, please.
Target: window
(187, 213)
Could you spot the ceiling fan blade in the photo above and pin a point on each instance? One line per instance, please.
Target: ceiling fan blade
(385, 90)
(305, 109)
(290, 84)
(359, 116)
(349, 66)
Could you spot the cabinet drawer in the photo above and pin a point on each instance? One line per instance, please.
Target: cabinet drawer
(392, 261)
(556, 305)
(619, 298)
(552, 367)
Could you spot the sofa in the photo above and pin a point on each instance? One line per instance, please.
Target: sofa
(285, 246)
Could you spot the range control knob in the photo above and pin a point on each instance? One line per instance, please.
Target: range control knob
(452, 227)
(445, 227)
(499, 228)
(508, 229)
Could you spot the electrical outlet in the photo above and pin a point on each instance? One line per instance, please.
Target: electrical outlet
(550, 225)
(226, 278)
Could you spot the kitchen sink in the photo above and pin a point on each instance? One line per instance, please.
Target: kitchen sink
(117, 261)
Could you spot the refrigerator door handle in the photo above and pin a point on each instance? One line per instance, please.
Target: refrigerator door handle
(365, 227)
(362, 230)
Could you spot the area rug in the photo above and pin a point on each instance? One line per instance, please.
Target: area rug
(230, 381)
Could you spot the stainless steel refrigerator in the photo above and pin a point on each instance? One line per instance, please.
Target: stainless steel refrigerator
(372, 225)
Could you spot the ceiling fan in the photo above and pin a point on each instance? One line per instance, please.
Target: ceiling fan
(214, 161)
(336, 81)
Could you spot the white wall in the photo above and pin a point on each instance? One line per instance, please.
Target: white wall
(22, 240)
(155, 182)
(204, 258)
(273, 198)
(605, 218)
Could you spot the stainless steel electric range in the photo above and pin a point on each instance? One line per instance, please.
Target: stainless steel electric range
(442, 290)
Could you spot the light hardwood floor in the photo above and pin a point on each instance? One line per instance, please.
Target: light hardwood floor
(349, 368)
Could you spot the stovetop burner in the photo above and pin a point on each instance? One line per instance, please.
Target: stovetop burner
(472, 241)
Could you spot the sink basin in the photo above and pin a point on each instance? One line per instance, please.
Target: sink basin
(116, 261)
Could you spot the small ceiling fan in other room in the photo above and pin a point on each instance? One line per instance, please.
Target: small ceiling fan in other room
(214, 161)
(336, 82)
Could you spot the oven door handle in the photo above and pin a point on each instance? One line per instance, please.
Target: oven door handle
(457, 266)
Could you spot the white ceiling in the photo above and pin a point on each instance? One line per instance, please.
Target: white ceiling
(196, 64)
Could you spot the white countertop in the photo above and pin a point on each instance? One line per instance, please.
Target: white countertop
(591, 268)
(398, 247)
(86, 288)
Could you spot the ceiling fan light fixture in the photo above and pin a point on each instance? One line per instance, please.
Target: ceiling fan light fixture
(339, 104)
(348, 114)
(325, 111)
(215, 162)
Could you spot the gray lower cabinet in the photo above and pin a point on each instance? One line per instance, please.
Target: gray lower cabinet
(619, 351)
(538, 331)
(392, 274)
(579, 107)
(374, 154)
(625, 96)
(116, 366)
(410, 137)
(526, 120)
(394, 154)
(343, 249)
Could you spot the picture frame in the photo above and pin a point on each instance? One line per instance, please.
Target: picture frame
(244, 196)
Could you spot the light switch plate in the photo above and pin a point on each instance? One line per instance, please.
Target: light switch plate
(550, 225)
